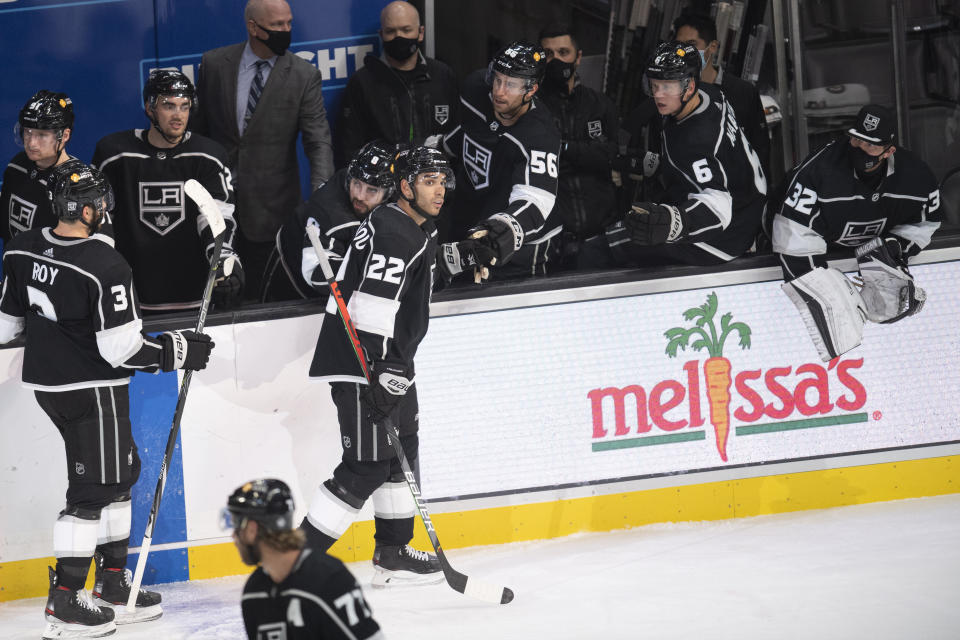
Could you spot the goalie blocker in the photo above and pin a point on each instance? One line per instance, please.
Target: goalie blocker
(831, 308)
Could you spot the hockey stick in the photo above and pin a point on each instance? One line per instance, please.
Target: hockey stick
(209, 209)
(494, 594)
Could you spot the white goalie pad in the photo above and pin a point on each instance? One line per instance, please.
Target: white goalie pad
(831, 308)
(889, 293)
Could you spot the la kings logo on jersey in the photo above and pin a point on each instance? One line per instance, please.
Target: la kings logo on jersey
(856, 233)
(272, 631)
(161, 205)
(441, 113)
(21, 214)
(476, 159)
(594, 129)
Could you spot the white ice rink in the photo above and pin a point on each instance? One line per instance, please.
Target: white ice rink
(886, 570)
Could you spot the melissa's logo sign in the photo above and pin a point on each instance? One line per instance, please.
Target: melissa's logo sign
(812, 395)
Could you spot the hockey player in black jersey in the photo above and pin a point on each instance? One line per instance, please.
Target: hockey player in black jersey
(713, 186)
(386, 279)
(43, 129)
(296, 592)
(507, 147)
(72, 295)
(337, 208)
(863, 195)
(157, 228)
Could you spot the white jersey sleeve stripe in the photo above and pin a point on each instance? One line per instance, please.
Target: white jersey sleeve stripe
(920, 233)
(124, 154)
(541, 198)
(372, 314)
(792, 238)
(10, 327)
(119, 343)
(719, 202)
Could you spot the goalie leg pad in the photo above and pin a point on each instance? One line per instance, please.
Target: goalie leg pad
(831, 308)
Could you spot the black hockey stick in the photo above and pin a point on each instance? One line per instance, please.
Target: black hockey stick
(494, 594)
(209, 209)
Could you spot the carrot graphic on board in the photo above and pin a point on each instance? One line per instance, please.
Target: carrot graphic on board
(716, 370)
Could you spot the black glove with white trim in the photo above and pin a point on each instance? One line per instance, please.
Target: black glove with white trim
(456, 257)
(650, 224)
(497, 238)
(389, 382)
(186, 350)
(228, 283)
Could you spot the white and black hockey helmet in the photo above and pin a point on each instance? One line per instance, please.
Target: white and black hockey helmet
(267, 501)
(371, 165)
(76, 185)
(673, 60)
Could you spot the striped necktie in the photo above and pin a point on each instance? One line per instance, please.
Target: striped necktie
(256, 88)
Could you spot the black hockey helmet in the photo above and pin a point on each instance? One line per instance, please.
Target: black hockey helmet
(674, 60)
(168, 82)
(519, 60)
(267, 501)
(371, 164)
(76, 185)
(47, 110)
(410, 163)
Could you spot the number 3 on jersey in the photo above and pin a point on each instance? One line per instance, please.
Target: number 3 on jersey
(543, 162)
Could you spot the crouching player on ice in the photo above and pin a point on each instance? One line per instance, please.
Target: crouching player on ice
(296, 593)
(862, 193)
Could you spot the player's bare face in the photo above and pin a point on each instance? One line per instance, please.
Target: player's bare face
(41, 145)
(667, 95)
(431, 189)
(364, 197)
(507, 95)
(173, 114)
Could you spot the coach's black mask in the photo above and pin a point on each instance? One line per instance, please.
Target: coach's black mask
(276, 41)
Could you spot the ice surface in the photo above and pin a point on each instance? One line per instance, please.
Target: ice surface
(886, 570)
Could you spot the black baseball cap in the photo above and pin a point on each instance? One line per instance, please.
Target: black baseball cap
(875, 124)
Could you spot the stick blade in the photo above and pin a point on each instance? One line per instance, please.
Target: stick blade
(207, 205)
(492, 593)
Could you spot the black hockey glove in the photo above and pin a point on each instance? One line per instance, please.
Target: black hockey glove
(456, 257)
(652, 224)
(637, 165)
(228, 283)
(388, 385)
(187, 350)
(497, 238)
(887, 287)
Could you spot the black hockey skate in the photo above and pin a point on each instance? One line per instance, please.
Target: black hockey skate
(73, 614)
(111, 589)
(403, 565)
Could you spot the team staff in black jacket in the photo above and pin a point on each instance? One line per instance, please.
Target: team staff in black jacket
(72, 295)
(401, 97)
(387, 281)
(588, 124)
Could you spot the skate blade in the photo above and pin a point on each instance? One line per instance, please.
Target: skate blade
(383, 578)
(140, 614)
(57, 630)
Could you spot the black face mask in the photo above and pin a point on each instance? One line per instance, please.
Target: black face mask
(862, 161)
(276, 41)
(558, 72)
(400, 48)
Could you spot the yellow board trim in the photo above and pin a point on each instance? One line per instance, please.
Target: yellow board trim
(710, 501)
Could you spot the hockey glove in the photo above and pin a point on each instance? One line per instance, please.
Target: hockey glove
(187, 350)
(497, 238)
(388, 385)
(888, 290)
(652, 224)
(637, 166)
(456, 257)
(228, 283)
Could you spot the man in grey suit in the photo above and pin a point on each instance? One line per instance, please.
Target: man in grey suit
(255, 99)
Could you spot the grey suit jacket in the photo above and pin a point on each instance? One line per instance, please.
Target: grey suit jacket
(264, 159)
